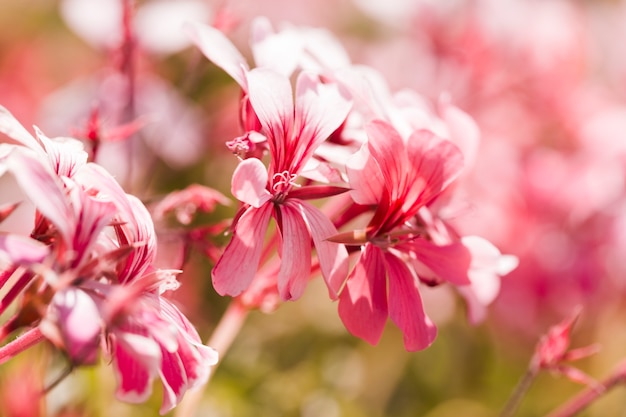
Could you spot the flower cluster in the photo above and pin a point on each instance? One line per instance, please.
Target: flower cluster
(87, 269)
(383, 167)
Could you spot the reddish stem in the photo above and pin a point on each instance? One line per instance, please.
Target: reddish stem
(28, 339)
(17, 288)
(586, 397)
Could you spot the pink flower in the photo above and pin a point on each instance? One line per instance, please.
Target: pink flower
(92, 254)
(293, 133)
(397, 177)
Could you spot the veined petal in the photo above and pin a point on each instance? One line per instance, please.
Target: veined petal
(433, 164)
(66, 155)
(333, 257)
(93, 216)
(449, 262)
(365, 178)
(249, 182)
(405, 306)
(363, 301)
(234, 271)
(14, 129)
(174, 380)
(295, 266)
(271, 97)
(46, 192)
(219, 50)
(136, 360)
(320, 109)
(388, 149)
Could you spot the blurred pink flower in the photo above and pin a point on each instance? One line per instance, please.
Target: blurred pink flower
(553, 351)
(96, 276)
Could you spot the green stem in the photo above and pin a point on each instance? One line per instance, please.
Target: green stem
(520, 390)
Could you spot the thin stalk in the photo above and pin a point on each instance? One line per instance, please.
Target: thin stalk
(520, 390)
(222, 338)
(26, 340)
(14, 291)
(587, 396)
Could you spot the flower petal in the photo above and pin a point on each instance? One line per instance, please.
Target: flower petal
(295, 266)
(365, 178)
(449, 262)
(320, 109)
(219, 50)
(405, 306)
(238, 264)
(14, 129)
(46, 192)
(249, 182)
(333, 257)
(271, 97)
(434, 164)
(136, 360)
(278, 51)
(363, 301)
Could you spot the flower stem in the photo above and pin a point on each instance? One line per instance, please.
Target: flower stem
(14, 291)
(520, 390)
(222, 338)
(29, 339)
(584, 398)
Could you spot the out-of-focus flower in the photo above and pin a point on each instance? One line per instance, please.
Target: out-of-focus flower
(553, 351)
(96, 284)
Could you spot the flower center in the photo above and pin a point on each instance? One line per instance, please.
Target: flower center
(282, 183)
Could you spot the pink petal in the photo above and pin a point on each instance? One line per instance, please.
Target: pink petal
(405, 306)
(449, 262)
(174, 380)
(45, 191)
(387, 148)
(14, 129)
(236, 268)
(464, 132)
(365, 177)
(94, 215)
(66, 155)
(136, 360)
(363, 301)
(333, 257)
(434, 164)
(22, 250)
(272, 99)
(249, 182)
(295, 267)
(219, 50)
(79, 321)
(320, 109)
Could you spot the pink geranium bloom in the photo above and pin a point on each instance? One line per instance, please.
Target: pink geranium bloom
(293, 134)
(398, 177)
(92, 252)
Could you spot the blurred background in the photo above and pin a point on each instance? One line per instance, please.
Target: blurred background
(545, 81)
